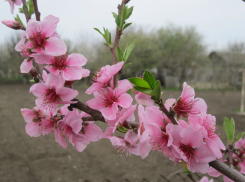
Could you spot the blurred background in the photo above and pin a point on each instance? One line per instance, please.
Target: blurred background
(200, 42)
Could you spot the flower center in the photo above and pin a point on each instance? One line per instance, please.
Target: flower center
(188, 151)
(60, 62)
(51, 98)
(38, 40)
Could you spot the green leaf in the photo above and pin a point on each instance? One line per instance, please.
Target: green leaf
(229, 128)
(128, 50)
(31, 8)
(129, 12)
(123, 16)
(114, 15)
(106, 44)
(150, 79)
(122, 129)
(32, 81)
(129, 91)
(17, 18)
(119, 54)
(118, 20)
(21, 10)
(156, 92)
(126, 25)
(99, 31)
(146, 91)
(240, 135)
(139, 82)
(126, 65)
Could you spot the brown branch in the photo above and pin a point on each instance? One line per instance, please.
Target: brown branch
(37, 13)
(89, 118)
(227, 171)
(169, 114)
(97, 116)
(117, 38)
(25, 11)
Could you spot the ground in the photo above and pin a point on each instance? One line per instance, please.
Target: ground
(26, 159)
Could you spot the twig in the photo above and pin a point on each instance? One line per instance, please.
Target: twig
(230, 153)
(25, 11)
(37, 13)
(191, 177)
(117, 38)
(227, 171)
(169, 114)
(89, 118)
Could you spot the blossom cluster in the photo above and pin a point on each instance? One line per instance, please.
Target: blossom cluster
(155, 131)
(191, 140)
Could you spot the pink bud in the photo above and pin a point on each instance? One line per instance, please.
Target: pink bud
(12, 24)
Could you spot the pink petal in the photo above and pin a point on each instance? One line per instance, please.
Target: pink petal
(55, 82)
(59, 138)
(18, 2)
(93, 132)
(214, 148)
(45, 76)
(19, 45)
(125, 100)
(33, 129)
(85, 73)
(39, 89)
(55, 46)
(96, 103)
(25, 67)
(43, 59)
(131, 137)
(72, 73)
(48, 25)
(94, 87)
(76, 59)
(53, 70)
(144, 149)
(110, 112)
(66, 94)
(188, 139)
(27, 114)
(81, 142)
(187, 90)
(123, 87)
(144, 99)
(75, 122)
(33, 26)
(203, 154)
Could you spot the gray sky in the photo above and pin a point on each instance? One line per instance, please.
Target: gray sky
(219, 21)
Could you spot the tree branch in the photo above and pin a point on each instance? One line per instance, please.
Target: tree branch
(169, 114)
(117, 38)
(25, 11)
(37, 13)
(227, 171)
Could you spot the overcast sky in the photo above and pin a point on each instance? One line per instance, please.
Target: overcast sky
(219, 21)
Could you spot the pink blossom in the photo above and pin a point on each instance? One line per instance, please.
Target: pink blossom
(12, 24)
(186, 105)
(143, 135)
(26, 66)
(127, 145)
(144, 99)
(213, 141)
(107, 100)
(195, 151)
(240, 157)
(67, 67)
(33, 118)
(14, 2)
(51, 93)
(205, 179)
(42, 38)
(103, 77)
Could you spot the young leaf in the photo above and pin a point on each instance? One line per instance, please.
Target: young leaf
(156, 92)
(122, 129)
(126, 25)
(146, 91)
(139, 82)
(123, 16)
(126, 65)
(114, 15)
(17, 18)
(128, 50)
(129, 12)
(150, 79)
(99, 31)
(31, 8)
(229, 128)
(118, 20)
(21, 10)
(119, 54)
(240, 135)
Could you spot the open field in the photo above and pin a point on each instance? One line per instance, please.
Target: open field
(26, 159)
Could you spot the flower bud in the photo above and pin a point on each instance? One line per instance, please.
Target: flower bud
(12, 24)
